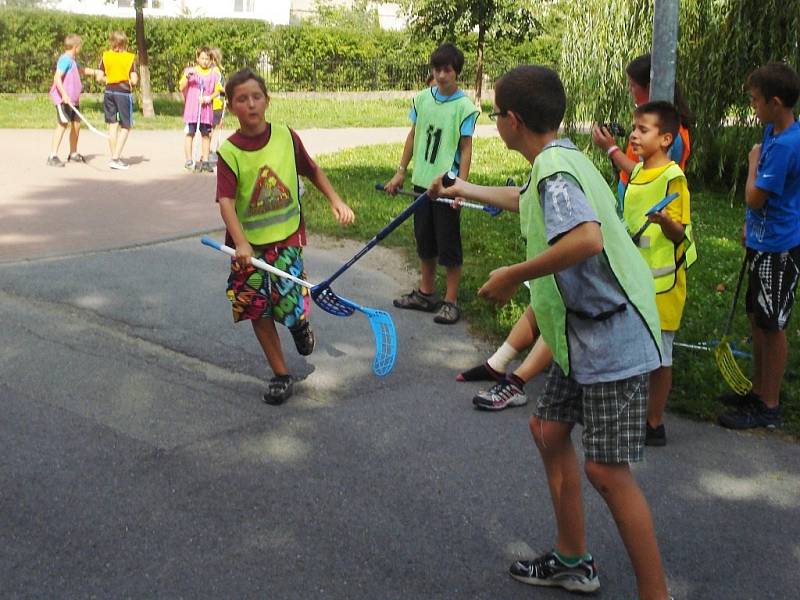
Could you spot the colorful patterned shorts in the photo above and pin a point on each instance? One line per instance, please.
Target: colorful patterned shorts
(256, 294)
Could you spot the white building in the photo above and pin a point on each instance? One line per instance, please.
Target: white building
(279, 12)
(272, 11)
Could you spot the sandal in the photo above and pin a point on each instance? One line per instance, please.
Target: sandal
(416, 300)
(279, 389)
(304, 339)
(448, 314)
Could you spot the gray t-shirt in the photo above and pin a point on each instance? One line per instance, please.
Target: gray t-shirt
(608, 340)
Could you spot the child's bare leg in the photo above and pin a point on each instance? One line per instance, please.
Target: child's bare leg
(773, 364)
(74, 132)
(538, 359)
(58, 135)
(453, 278)
(113, 131)
(427, 271)
(187, 146)
(659, 387)
(205, 147)
(564, 480)
(267, 336)
(122, 137)
(758, 354)
(524, 331)
(630, 510)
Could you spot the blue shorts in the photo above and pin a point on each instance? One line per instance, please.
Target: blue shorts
(191, 129)
(118, 108)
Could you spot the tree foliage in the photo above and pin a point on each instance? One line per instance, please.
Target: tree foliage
(510, 20)
(719, 43)
(361, 15)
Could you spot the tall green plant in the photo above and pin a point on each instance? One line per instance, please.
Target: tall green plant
(719, 43)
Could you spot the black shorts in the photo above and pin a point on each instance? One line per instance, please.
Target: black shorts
(771, 286)
(437, 230)
(217, 117)
(118, 108)
(65, 114)
(191, 129)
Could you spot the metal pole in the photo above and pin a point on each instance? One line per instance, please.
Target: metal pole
(664, 52)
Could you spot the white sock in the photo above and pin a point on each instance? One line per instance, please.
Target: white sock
(500, 360)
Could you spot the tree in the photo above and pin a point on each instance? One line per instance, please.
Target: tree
(491, 19)
(360, 16)
(144, 67)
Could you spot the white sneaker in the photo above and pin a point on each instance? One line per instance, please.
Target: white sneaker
(501, 395)
(118, 164)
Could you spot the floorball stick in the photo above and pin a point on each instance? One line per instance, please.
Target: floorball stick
(91, 127)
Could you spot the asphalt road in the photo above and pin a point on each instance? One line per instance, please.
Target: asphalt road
(139, 462)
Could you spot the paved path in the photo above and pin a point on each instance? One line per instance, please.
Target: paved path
(137, 460)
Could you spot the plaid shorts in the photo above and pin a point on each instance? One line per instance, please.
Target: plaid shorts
(612, 413)
(255, 294)
(771, 287)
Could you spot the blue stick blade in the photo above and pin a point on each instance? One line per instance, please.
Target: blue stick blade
(328, 301)
(385, 340)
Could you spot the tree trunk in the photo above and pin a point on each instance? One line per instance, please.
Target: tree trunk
(479, 65)
(144, 69)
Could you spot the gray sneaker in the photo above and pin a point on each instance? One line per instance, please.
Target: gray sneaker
(76, 157)
(501, 395)
(189, 165)
(548, 570)
(54, 161)
(117, 165)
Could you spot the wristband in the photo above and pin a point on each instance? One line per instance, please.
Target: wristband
(611, 150)
(401, 168)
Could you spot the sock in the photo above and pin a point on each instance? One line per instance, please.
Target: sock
(572, 561)
(517, 381)
(500, 360)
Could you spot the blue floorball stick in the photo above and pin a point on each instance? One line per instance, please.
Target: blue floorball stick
(492, 210)
(658, 206)
(381, 322)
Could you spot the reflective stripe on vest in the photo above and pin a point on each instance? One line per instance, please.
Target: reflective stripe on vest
(267, 189)
(437, 133)
(658, 251)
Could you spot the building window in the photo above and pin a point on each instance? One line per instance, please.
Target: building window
(243, 5)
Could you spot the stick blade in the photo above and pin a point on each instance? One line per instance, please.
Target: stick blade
(730, 370)
(328, 301)
(385, 335)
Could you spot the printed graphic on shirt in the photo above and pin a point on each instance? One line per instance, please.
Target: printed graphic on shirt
(269, 193)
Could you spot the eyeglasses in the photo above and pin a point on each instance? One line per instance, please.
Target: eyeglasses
(500, 113)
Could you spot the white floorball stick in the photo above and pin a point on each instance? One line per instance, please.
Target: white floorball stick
(91, 127)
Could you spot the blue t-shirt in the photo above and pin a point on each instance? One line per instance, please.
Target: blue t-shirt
(64, 64)
(775, 227)
(610, 349)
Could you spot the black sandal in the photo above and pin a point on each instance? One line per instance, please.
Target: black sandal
(448, 314)
(416, 300)
(279, 389)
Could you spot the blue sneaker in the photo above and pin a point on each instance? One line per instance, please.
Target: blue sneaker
(751, 417)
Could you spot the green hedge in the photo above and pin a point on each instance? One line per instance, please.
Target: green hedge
(294, 58)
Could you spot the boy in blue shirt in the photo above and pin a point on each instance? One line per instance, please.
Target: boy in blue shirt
(772, 239)
(440, 140)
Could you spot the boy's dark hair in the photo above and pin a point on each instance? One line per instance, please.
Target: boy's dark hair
(639, 71)
(242, 76)
(448, 54)
(776, 80)
(535, 94)
(669, 120)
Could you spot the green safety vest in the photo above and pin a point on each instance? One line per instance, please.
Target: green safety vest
(627, 265)
(437, 133)
(267, 194)
(662, 255)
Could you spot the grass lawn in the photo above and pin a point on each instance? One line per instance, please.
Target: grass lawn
(490, 242)
(300, 113)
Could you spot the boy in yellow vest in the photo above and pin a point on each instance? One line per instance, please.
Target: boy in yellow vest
(119, 74)
(594, 303)
(440, 140)
(258, 193)
(665, 244)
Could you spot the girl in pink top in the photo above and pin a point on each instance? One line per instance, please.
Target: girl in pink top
(199, 87)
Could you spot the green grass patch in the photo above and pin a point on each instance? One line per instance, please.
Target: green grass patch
(37, 112)
(492, 242)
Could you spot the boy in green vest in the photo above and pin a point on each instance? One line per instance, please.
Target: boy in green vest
(594, 302)
(440, 140)
(664, 244)
(258, 193)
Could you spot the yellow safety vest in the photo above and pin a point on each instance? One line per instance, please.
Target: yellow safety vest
(117, 66)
